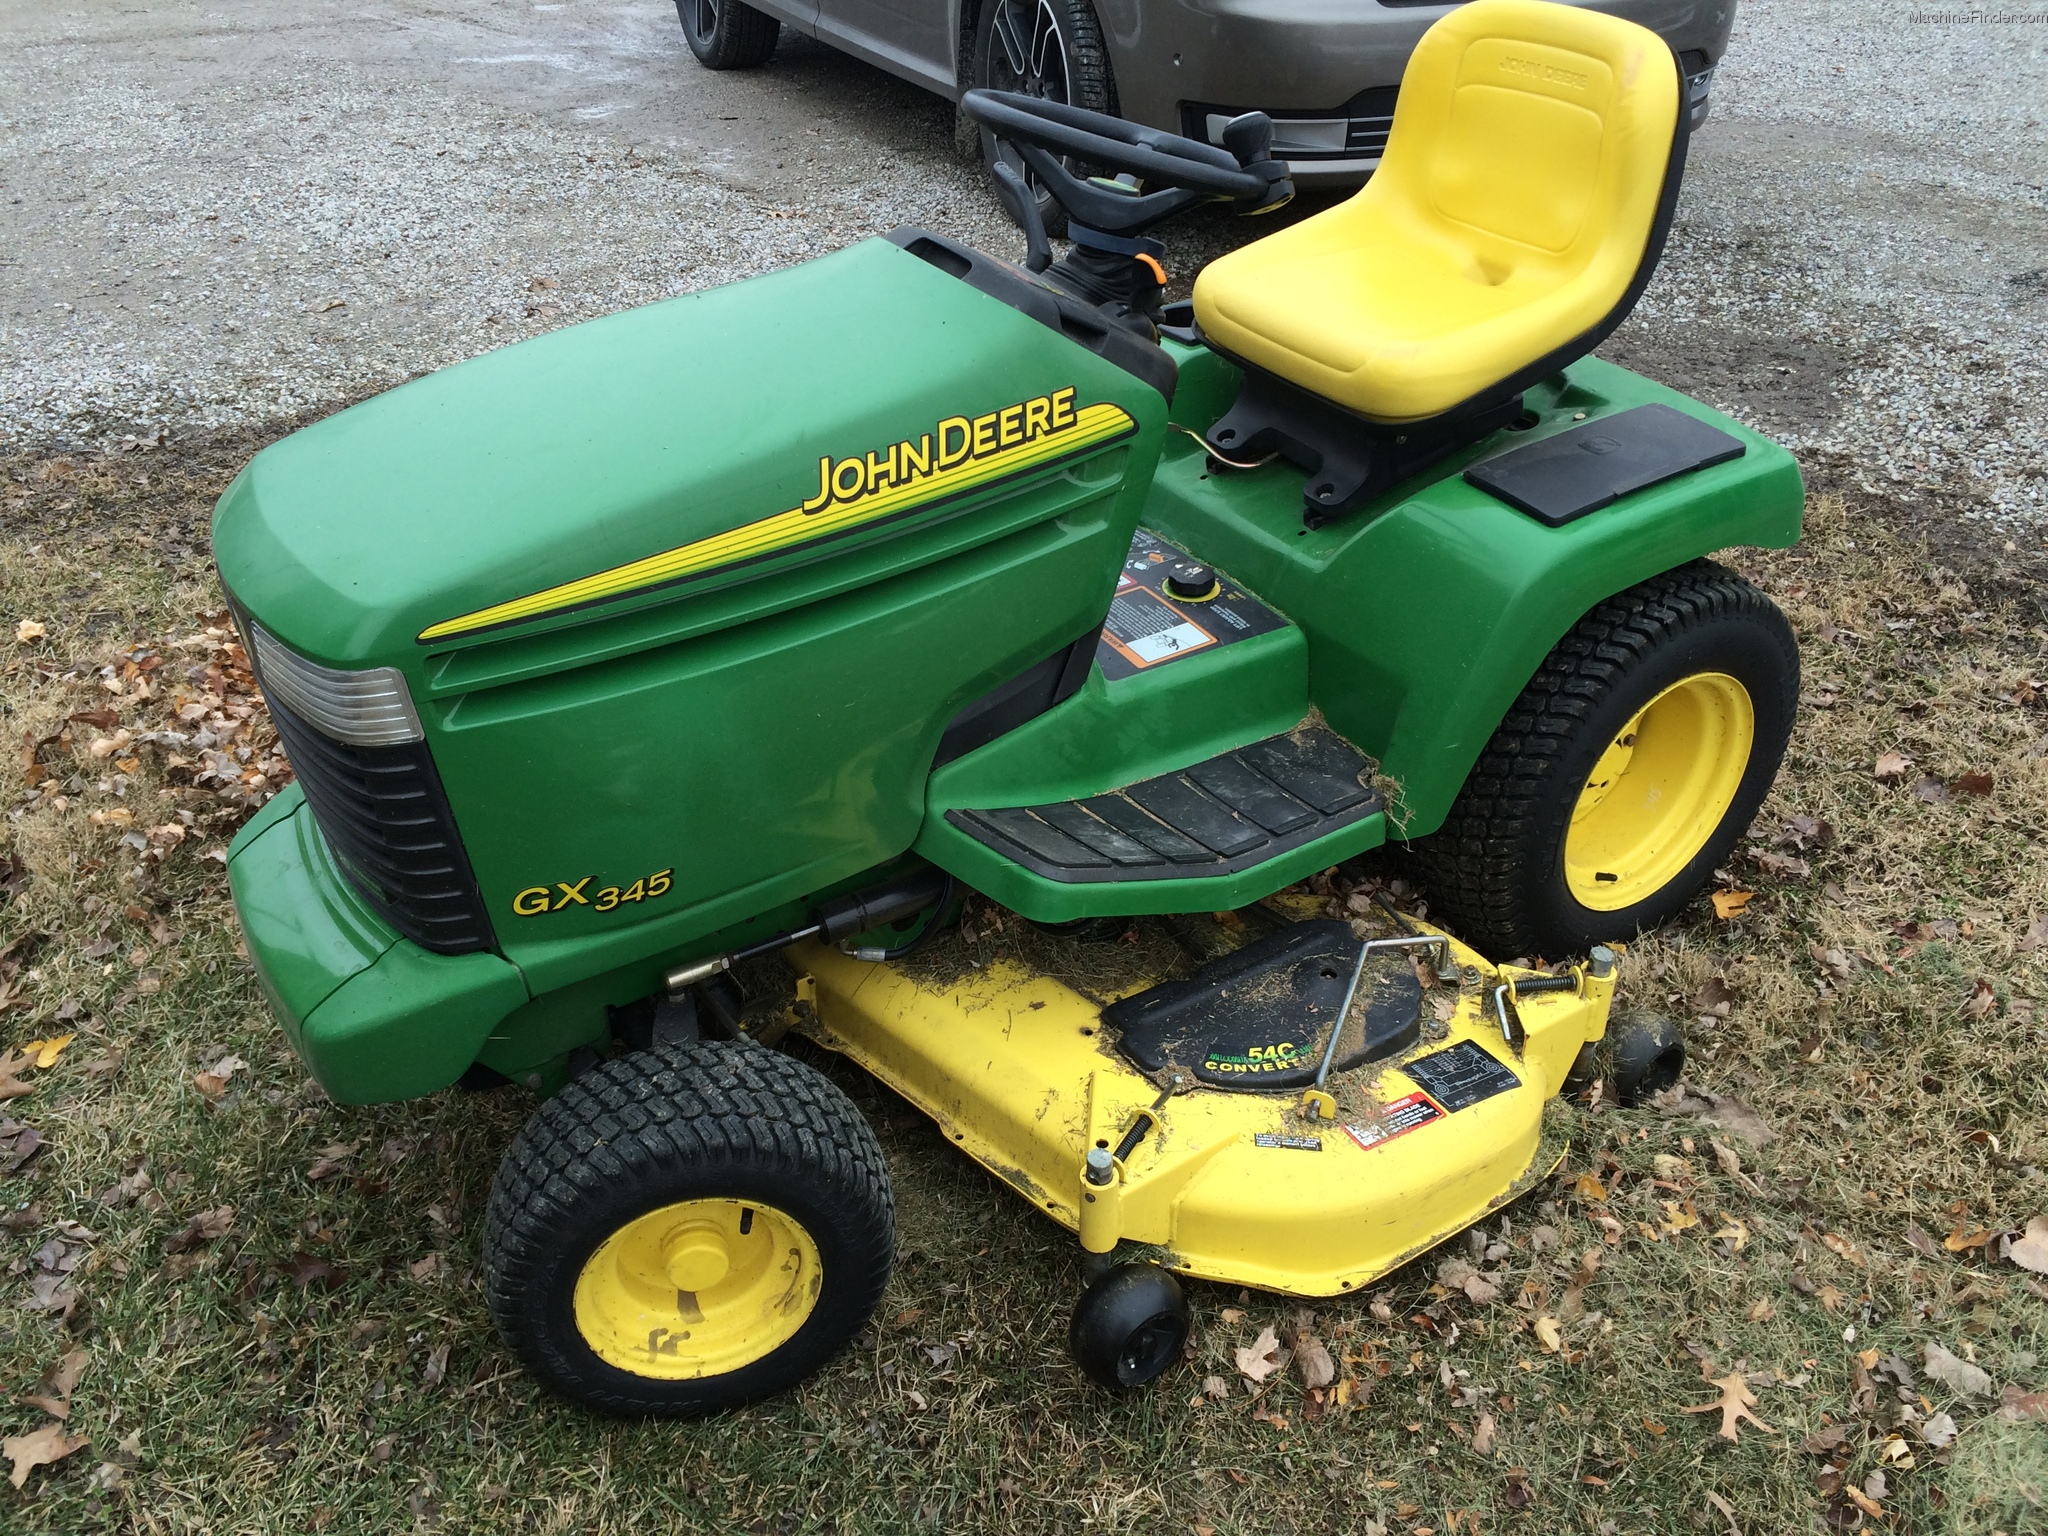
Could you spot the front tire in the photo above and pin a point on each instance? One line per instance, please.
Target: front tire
(1051, 49)
(687, 1228)
(1625, 772)
(728, 34)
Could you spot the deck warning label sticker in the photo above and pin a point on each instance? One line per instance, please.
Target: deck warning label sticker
(1148, 627)
(1462, 1076)
(1397, 1119)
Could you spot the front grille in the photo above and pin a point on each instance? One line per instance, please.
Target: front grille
(1355, 130)
(386, 820)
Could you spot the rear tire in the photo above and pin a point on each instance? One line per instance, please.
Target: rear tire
(1624, 773)
(1051, 49)
(728, 34)
(687, 1228)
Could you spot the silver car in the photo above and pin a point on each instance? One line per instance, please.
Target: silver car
(1326, 71)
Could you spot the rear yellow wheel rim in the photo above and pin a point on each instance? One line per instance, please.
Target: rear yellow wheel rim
(698, 1288)
(1659, 792)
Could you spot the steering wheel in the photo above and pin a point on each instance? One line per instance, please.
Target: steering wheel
(1186, 172)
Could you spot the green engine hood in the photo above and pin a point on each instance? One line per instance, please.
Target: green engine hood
(682, 442)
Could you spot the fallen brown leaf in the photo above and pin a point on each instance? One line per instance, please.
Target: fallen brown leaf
(1959, 1376)
(1974, 784)
(1734, 1403)
(1312, 1359)
(1261, 1358)
(25, 633)
(2030, 1249)
(1892, 766)
(1732, 904)
(53, 1392)
(203, 1228)
(310, 1271)
(1549, 1334)
(38, 1448)
(213, 1082)
(13, 1063)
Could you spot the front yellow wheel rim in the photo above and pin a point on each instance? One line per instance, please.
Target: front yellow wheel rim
(698, 1288)
(1659, 792)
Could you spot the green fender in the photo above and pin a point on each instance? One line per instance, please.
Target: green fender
(1428, 612)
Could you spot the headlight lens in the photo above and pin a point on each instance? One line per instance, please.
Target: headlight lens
(370, 708)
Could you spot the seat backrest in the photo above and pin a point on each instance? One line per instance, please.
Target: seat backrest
(1534, 139)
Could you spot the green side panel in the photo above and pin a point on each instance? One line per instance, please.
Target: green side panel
(1115, 733)
(1427, 612)
(374, 1017)
(1052, 901)
(409, 1025)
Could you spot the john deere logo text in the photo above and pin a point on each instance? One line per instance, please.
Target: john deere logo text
(960, 455)
(957, 440)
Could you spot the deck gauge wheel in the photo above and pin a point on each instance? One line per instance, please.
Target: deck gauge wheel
(1646, 1055)
(1129, 1326)
(687, 1228)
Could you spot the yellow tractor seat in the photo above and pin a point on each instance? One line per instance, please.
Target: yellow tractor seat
(1517, 213)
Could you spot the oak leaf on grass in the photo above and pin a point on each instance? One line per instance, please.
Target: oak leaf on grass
(39, 1448)
(1261, 1358)
(1734, 1403)
(2030, 1249)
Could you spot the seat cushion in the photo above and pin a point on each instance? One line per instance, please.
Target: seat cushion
(1509, 216)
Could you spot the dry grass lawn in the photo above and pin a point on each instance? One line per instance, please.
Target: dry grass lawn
(270, 1304)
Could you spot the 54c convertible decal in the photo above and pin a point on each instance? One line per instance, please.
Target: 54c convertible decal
(960, 454)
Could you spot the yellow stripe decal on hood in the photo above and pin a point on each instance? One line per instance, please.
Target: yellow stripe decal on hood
(959, 455)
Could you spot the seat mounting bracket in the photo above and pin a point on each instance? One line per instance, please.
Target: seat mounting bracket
(1349, 461)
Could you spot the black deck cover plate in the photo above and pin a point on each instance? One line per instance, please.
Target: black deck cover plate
(1583, 469)
(1230, 813)
(1461, 1076)
(1259, 1018)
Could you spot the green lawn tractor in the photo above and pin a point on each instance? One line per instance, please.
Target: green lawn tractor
(784, 619)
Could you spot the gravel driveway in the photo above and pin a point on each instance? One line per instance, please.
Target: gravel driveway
(219, 214)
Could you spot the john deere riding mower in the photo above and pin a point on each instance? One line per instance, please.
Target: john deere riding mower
(782, 619)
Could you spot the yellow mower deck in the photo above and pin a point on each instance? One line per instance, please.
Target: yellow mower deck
(1238, 1187)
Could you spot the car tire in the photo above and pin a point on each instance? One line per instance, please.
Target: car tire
(1624, 773)
(1047, 48)
(727, 34)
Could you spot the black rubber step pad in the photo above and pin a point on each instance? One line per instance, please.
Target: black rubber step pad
(1311, 765)
(1105, 839)
(1216, 827)
(1038, 839)
(1163, 840)
(1251, 794)
(1231, 813)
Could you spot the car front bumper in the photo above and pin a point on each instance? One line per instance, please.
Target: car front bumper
(1325, 70)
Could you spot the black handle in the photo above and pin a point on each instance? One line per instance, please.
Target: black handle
(1156, 156)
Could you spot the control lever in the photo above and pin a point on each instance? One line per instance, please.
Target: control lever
(1016, 197)
(1249, 137)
